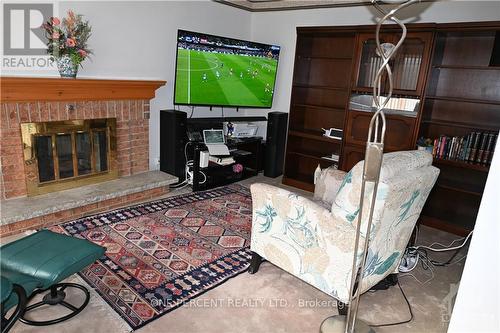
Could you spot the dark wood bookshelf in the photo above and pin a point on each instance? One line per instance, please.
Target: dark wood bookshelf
(454, 76)
(320, 94)
(459, 101)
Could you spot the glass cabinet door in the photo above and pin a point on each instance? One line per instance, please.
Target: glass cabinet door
(407, 65)
(370, 61)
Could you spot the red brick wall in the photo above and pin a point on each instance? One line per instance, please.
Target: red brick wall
(132, 120)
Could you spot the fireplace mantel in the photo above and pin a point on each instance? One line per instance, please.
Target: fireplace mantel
(28, 89)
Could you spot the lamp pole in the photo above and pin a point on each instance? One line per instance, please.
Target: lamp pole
(371, 173)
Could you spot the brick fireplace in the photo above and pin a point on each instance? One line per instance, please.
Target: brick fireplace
(58, 100)
(36, 100)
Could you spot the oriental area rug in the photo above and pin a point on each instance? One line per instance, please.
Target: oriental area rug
(164, 253)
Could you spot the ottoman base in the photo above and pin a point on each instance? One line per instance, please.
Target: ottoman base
(56, 296)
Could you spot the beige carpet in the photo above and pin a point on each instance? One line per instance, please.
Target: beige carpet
(274, 301)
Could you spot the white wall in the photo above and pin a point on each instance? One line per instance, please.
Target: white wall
(279, 28)
(477, 306)
(137, 40)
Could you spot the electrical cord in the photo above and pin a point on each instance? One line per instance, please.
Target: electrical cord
(399, 322)
(185, 151)
(445, 248)
(413, 254)
(449, 261)
(189, 164)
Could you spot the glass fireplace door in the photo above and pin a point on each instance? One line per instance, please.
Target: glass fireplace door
(66, 154)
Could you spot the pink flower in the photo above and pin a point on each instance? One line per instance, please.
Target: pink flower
(70, 42)
(55, 35)
(82, 53)
(56, 21)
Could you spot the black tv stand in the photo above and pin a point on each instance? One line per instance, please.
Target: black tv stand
(219, 175)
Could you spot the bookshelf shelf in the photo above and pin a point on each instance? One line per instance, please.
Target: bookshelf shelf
(301, 85)
(314, 157)
(459, 124)
(460, 67)
(301, 181)
(302, 56)
(304, 155)
(320, 108)
(395, 92)
(463, 100)
(462, 188)
(461, 164)
(313, 135)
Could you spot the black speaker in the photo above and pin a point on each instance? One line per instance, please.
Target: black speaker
(173, 138)
(275, 144)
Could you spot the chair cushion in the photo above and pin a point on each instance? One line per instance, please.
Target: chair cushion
(394, 165)
(48, 257)
(328, 184)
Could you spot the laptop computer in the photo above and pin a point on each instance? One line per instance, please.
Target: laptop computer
(215, 141)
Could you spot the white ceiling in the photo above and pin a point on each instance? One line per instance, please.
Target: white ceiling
(272, 5)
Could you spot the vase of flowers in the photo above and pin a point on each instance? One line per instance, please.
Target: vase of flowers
(67, 42)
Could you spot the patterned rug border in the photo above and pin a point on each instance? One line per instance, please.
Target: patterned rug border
(224, 278)
(234, 187)
(161, 205)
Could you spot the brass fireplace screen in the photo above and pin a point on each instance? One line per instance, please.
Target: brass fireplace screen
(64, 154)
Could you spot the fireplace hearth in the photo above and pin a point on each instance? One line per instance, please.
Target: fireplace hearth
(65, 154)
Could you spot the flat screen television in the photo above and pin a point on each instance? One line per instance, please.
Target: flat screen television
(221, 71)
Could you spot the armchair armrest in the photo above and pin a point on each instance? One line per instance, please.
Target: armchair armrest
(270, 201)
(328, 184)
(303, 238)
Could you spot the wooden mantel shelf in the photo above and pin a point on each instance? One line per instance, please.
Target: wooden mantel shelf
(26, 89)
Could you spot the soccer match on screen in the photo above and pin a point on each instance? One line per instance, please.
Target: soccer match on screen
(222, 71)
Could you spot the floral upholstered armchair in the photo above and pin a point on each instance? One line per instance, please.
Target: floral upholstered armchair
(314, 239)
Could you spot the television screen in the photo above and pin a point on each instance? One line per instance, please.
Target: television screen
(220, 71)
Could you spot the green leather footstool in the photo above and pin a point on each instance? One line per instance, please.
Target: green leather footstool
(39, 262)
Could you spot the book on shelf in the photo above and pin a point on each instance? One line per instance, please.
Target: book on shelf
(476, 147)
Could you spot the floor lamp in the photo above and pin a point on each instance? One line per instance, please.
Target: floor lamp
(371, 171)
